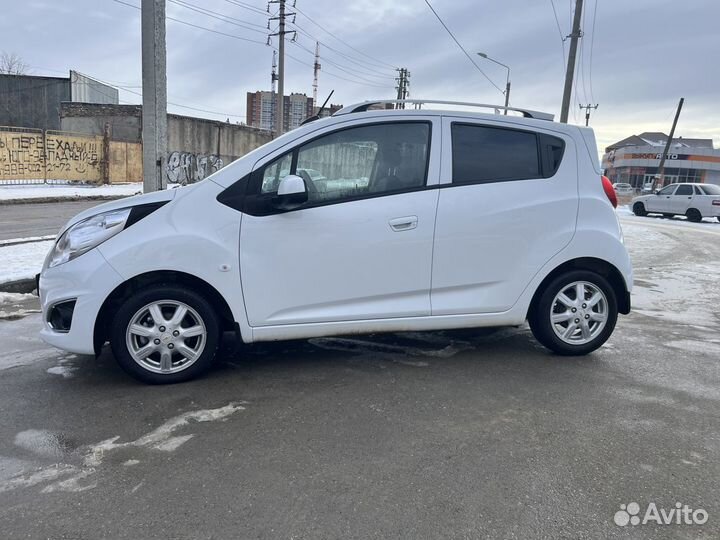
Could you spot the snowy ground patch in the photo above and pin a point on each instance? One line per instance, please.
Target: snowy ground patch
(43, 191)
(22, 261)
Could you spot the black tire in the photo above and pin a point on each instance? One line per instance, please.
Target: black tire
(539, 317)
(693, 215)
(137, 301)
(639, 209)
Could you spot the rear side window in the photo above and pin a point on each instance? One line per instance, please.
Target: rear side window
(483, 154)
(710, 189)
(684, 190)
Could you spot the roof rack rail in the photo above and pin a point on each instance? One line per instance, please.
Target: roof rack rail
(365, 105)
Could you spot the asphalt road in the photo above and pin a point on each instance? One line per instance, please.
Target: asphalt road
(463, 434)
(38, 219)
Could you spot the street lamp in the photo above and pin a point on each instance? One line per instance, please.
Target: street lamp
(507, 81)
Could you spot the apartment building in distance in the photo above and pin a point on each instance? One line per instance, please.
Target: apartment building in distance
(261, 110)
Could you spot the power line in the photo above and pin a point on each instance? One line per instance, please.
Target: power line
(592, 43)
(375, 60)
(461, 47)
(219, 16)
(198, 26)
(370, 69)
(338, 66)
(246, 6)
(562, 37)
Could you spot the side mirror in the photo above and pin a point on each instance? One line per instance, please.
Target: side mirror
(657, 192)
(291, 193)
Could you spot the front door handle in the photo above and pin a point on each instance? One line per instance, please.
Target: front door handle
(406, 223)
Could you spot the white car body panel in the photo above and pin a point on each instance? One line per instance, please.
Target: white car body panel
(341, 268)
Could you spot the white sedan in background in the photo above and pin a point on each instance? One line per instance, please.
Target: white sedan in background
(695, 201)
(622, 188)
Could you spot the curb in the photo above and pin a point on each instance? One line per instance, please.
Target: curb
(18, 286)
(41, 200)
(18, 241)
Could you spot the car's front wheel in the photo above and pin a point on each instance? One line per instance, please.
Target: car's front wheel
(165, 334)
(575, 314)
(639, 209)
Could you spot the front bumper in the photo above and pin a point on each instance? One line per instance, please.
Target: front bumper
(89, 280)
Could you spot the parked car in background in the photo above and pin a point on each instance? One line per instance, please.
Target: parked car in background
(426, 220)
(695, 201)
(623, 189)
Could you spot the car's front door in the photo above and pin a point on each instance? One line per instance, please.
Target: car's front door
(661, 201)
(361, 246)
(508, 206)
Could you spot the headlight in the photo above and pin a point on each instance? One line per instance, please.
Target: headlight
(87, 234)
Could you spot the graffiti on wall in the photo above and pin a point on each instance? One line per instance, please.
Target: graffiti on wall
(50, 155)
(187, 168)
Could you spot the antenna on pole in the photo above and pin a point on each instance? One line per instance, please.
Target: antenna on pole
(316, 70)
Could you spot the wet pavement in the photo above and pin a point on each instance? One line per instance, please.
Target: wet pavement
(454, 434)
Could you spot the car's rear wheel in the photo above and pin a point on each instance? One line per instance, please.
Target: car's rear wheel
(693, 215)
(575, 314)
(639, 209)
(165, 334)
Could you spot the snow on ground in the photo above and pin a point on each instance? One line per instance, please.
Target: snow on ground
(22, 261)
(41, 191)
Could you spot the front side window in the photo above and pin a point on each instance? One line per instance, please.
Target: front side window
(684, 190)
(357, 162)
(667, 190)
(488, 154)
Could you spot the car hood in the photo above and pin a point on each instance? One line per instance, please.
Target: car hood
(127, 202)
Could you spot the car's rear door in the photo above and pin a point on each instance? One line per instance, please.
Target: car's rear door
(681, 200)
(508, 203)
(361, 247)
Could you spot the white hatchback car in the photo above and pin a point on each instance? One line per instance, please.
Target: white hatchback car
(695, 201)
(428, 219)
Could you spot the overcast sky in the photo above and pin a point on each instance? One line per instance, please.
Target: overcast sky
(646, 54)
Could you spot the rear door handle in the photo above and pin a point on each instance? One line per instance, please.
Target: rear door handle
(403, 223)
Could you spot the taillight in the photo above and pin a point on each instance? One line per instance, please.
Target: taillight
(609, 191)
(716, 203)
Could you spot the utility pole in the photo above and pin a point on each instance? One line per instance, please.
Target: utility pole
(661, 168)
(282, 15)
(316, 70)
(574, 36)
(587, 111)
(403, 80)
(273, 95)
(154, 86)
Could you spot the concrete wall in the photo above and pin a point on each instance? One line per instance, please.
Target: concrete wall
(125, 120)
(196, 147)
(34, 102)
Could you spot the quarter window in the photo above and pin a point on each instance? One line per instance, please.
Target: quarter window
(487, 154)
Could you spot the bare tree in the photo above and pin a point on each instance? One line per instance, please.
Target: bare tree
(12, 64)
